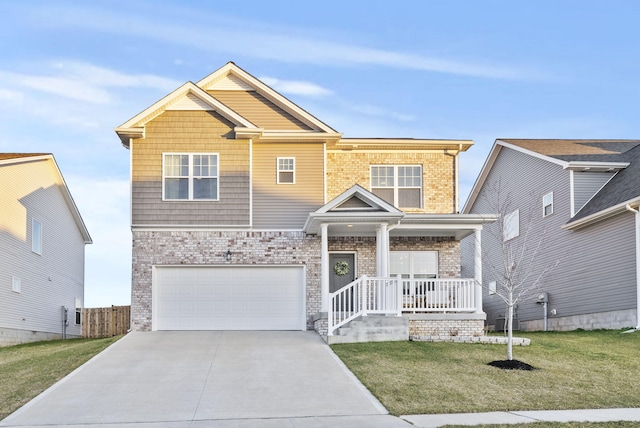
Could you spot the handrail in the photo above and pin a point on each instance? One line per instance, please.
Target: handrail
(362, 297)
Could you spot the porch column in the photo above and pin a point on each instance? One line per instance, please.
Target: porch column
(478, 268)
(324, 267)
(382, 251)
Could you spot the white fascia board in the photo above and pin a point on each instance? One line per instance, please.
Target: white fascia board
(139, 121)
(596, 166)
(562, 163)
(601, 215)
(449, 219)
(482, 177)
(272, 95)
(75, 213)
(486, 169)
(24, 159)
(457, 145)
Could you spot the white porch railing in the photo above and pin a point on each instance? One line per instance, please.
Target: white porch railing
(439, 295)
(362, 297)
(367, 296)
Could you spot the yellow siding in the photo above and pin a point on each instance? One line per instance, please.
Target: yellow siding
(345, 168)
(286, 206)
(258, 110)
(189, 132)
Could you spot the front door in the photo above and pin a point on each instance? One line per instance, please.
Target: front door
(342, 270)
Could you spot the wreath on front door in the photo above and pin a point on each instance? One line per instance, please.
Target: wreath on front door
(341, 268)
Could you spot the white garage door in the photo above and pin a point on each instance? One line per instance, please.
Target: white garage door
(229, 298)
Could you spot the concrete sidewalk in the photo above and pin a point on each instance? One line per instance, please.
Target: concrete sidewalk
(470, 419)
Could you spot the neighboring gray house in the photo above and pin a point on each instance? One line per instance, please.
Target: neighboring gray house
(42, 240)
(586, 195)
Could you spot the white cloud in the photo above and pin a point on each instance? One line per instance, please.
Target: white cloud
(284, 45)
(81, 81)
(296, 87)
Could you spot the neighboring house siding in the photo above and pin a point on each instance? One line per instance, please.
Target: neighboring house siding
(258, 110)
(48, 281)
(346, 168)
(587, 184)
(190, 132)
(523, 180)
(596, 272)
(286, 206)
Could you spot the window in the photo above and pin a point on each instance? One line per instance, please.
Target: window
(36, 237)
(78, 311)
(493, 288)
(511, 225)
(286, 170)
(190, 177)
(399, 185)
(16, 284)
(413, 265)
(547, 204)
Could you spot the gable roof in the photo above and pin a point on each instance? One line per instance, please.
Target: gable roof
(622, 190)
(620, 156)
(18, 158)
(243, 79)
(354, 206)
(577, 155)
(230, 77)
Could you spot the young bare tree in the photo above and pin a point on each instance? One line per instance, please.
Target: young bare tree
(516, 268)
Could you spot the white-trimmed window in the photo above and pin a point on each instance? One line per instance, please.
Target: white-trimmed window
(413, 265)
(16, 284)
(400, 185)
(547, 204)
(190, 176)
(286, 170)
(511, 225)
(36, 236)
(493, 289)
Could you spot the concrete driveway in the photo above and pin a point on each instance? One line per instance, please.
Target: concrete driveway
(212, 379)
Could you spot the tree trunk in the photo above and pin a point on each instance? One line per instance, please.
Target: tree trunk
(510, 334)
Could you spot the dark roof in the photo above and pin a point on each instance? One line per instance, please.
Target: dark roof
(578, 150)
(5, 156)
(624, 186)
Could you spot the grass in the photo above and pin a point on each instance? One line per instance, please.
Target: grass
(27, 370)
(557, 425)
(575, 370)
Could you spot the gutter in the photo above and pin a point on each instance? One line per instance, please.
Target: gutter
(637, 215)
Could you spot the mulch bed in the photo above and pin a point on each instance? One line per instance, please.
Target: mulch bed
(511, 365)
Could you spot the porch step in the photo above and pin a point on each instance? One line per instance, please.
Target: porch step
(372, 328)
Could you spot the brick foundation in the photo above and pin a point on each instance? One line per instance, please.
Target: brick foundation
(446, 325)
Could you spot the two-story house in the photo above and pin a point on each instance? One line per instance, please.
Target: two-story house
(582, 197)
(249, 213)
(42, 242)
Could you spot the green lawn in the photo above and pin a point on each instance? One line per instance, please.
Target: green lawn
(558, 425)
(27, 370)
(575, 370)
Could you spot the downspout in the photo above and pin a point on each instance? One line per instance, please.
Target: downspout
(637, 215)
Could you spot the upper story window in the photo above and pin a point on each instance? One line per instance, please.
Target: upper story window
(400, 185)
(547, 204)
(190, 176)
(286, 170)
(511, 225)
(36, 236)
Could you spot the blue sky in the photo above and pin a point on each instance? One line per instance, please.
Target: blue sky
(71, 71)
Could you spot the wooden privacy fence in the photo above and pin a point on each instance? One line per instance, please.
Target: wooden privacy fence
(105, 322)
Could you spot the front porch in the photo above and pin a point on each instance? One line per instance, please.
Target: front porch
(404, 266)
(434, 307)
